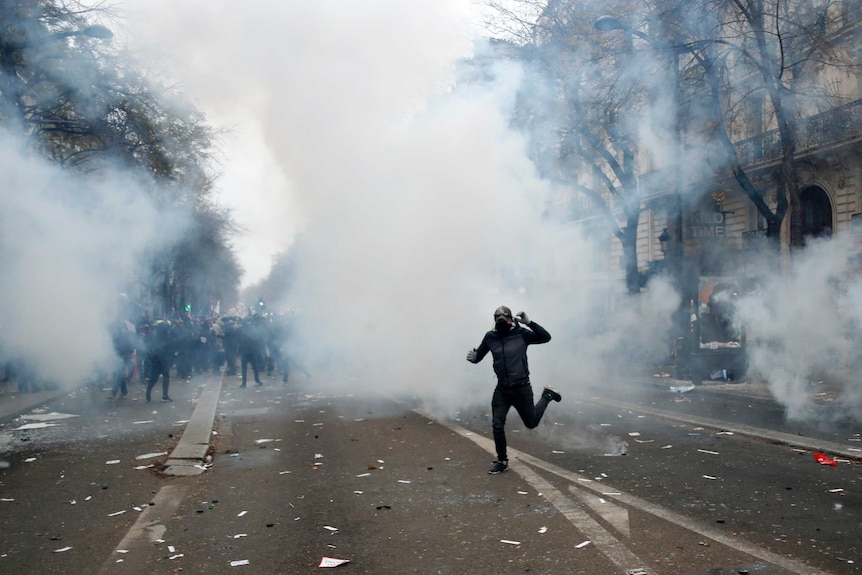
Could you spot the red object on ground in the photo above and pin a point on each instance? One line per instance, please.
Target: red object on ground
(824, 459)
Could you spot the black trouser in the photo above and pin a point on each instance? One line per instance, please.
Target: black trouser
(253, 359)
(124, 372)
(159, 367)
(521, 398)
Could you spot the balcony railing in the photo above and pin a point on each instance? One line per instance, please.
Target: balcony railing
(838, 124)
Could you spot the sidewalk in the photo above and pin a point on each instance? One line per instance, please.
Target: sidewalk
(13, 403)
(819, 392)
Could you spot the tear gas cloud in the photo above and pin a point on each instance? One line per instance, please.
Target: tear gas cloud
(418, 208)
(68, 245)
(803, 328)
(416, 204)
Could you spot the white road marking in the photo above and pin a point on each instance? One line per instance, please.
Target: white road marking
(631, 501)
(150, 524)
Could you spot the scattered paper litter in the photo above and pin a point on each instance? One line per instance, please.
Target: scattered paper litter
(283, 472)
(112, 462)
(666, 446)
(332, 562)
(241, 513)
(708, 451)
(543, 529)
(150, 455)
(61, 549)
(177, 556)
(330, 528)
(839, 490)
(30, 460)
(263, 440)
(7, 499)
(122, 550)
(363, 475)
(709, 477)
(116, 513)
(240, 562)
(634, 433)
(582, 544)
(557, 452)
(238, 535)
(404, 481)
(522, 493)
(612, 493)
(724, 433)
(48, 416)
(142, 422)
(509, 542)
(681, 388)
(35, 426)
(139, 467)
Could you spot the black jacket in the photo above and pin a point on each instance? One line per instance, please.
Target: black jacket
(510, 352)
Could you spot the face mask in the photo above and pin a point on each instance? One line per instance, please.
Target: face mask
(503, 326)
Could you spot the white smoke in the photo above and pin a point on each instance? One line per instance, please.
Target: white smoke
(419, 209)
(69, 245)
(802, 326)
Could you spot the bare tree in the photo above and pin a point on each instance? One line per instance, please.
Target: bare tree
(765, 66)
(587, 121)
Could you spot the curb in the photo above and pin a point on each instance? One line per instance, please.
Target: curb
(187, 457)
(741, 429)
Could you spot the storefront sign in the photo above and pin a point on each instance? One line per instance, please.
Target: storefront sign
(707, 224)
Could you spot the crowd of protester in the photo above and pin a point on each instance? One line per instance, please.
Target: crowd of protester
(153, 351)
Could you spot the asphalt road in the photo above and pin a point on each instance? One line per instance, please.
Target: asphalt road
(602, 486)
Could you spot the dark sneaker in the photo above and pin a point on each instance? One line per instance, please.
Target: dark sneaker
(166, 398)
(498, 467)
(551, 394)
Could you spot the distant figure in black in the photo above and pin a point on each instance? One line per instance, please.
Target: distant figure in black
(160, 353)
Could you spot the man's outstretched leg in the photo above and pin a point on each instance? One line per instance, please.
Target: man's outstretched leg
(500, 405)
(531, 414)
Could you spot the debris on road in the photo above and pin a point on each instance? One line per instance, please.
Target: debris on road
(824, 459)
(62, 549)
(582, 544)
(681, 388)
(332, 562)
(150, 455)
(510, 542)
(240, 562)
(41, 425)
